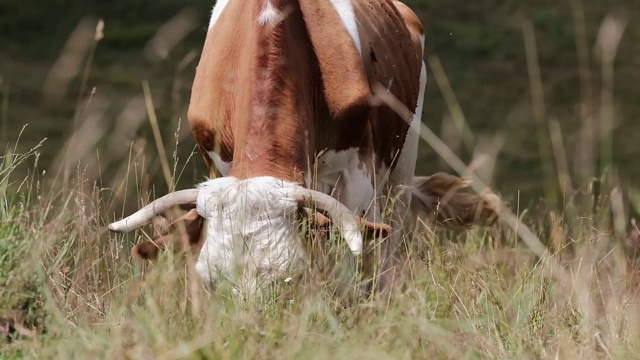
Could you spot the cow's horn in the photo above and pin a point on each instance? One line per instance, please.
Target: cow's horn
(156, 207)
(338, 212)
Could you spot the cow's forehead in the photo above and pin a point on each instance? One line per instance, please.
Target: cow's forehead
(228, 192)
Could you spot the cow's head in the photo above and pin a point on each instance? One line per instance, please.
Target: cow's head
(251, 232)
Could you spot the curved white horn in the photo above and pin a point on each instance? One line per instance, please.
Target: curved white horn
(144, 215)
(338, 212)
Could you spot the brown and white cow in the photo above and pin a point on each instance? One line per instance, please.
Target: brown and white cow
(283, 110)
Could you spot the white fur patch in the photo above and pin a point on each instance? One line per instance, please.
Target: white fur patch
(269, 15)
(250, 233)
(217, 10)
(251, 236)
(348, 17)
(344, 171)
(222, 166)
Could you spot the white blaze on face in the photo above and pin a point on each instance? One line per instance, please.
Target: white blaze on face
(251, 235)
(249, 229)
(348, 17)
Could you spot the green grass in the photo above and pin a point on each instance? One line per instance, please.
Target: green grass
(76, 293)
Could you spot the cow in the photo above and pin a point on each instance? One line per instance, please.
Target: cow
(284, 112)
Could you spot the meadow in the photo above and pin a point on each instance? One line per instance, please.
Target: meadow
(553, 279)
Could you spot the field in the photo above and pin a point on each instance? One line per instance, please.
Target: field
(553, 279)
(72, 291)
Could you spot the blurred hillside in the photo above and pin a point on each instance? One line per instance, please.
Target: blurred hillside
(57, 78)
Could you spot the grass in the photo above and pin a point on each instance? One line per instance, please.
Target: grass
(551, 281)
(74, 292)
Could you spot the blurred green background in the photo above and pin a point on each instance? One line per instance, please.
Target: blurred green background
(57, 79)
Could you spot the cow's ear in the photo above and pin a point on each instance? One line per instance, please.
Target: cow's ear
(191, 215)
(338, 56)
(170, 216)
(149, 250)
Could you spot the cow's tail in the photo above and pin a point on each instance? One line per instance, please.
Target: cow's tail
(438, 198)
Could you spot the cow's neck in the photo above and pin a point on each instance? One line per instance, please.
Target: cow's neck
(274, 136)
